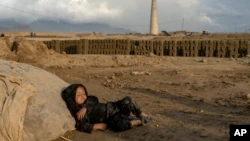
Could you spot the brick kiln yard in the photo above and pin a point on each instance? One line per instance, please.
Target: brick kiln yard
(190, 98)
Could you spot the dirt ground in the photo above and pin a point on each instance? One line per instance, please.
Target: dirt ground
(190, 99)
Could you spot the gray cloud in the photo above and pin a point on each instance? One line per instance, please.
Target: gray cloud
(211, 15)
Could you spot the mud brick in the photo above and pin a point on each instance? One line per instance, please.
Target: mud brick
(113, 51)
(234, 51)
(124, 52)
(99, 51)
(137, 52)
(106, 51)
(234, 54)
(101, 46)
(221, 54)
(172, 43)
(172, 53)
(186, 53)
(117, 51)
(194, 53)
(91, 52)
(166, 51)
(57, 46)
(209, 53)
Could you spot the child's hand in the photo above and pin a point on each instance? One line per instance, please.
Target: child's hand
(80, 114)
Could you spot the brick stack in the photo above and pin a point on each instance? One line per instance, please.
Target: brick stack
(158, 48)
(232, 47)
(221, 48)
(122, 47)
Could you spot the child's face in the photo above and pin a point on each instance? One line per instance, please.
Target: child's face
(80, 95)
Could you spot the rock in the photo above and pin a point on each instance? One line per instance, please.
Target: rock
(232, 59)
(109, 81)
(37, 94)
(248, 96)
(150, 62)
(147, 73)
(139, 80)
(118, 73)
(96, 76)
(113, 77)
(134, 73)
(151, 54)
(204, 61)
(137, 73)
(204, 135)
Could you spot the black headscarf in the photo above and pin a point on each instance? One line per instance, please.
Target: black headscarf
(69, 95)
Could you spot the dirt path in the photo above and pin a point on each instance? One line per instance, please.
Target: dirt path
(191, 99)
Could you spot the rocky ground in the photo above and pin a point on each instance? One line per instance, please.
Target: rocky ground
(191, 99)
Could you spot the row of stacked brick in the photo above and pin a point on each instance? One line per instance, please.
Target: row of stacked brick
(204, 48)
(67, 46)
(108, 47)
(50, 44)
(187, 48)
(140, 47)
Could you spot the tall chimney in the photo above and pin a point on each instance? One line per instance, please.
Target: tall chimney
(154, 19)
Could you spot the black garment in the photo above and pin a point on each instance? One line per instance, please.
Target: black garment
(119, 120)
(114, 114)
(68, 96)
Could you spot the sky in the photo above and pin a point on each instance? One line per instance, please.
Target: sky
(196, 15)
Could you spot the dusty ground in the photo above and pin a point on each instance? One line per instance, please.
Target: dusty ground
(191, 99)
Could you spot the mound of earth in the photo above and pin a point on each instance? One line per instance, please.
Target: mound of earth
(31, 107)
(5, 50)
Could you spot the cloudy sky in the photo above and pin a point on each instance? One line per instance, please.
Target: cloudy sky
(198, 15)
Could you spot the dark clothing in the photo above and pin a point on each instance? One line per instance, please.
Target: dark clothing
(114, 114)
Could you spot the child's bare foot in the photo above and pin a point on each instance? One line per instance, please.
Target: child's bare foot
(143, 115)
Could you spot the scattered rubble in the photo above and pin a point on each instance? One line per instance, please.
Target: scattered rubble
(134, 73)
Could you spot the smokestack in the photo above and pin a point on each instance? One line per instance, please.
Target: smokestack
(154, 19)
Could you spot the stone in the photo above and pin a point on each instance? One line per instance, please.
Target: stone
(248, 96)
(151, 54)
(232, 59)
(118, 73)
(38, 96)
(134, 73)
(108, 80)
(204, 135)
(204, 61)
(137, 73)
(147, 73)
(113, 77)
